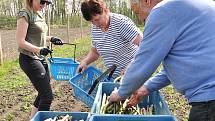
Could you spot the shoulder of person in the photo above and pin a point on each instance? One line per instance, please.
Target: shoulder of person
(23, 13)
(120, 18)
(28, 14)
(167, 4)
(25, 10)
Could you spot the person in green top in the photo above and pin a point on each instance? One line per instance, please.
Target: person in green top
(31, 38)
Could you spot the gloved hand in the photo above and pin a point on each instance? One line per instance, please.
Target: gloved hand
(56, 41)
(45, 51)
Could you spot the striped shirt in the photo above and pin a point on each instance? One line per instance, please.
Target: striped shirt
(116, 46)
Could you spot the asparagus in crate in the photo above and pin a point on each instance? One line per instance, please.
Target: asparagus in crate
(62, 118)
(121, 108)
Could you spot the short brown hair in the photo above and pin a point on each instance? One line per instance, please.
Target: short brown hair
(90, 8)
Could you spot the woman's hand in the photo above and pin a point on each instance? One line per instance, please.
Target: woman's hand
(82, 67)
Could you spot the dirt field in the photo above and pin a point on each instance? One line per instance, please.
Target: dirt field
(9, 44)
(15, 105)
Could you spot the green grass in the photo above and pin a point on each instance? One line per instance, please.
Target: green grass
(10, 117)
(83, 46)
(27, 98)
(26, 107)
(11, 77)
(7, 22)
(7, 67)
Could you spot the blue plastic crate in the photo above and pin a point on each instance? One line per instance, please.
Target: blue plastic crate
(43, 115)
(132, 118)
(82, 83)
(155, 99)
(62, 69)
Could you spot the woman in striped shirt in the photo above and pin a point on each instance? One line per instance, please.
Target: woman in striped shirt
(115, 37)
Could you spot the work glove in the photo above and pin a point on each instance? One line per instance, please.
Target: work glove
(56, 41)
(45, 51)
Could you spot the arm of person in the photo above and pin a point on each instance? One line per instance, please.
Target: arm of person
(138, 39)
(137, 96)
(130, 32)
(152, 51)
(92, 56)
(22, 27)
(48, 38)
(157, 82)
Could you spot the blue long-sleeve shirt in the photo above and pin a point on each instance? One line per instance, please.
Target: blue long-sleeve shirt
(181, 35)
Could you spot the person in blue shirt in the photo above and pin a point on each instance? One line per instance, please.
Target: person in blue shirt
(180, 34)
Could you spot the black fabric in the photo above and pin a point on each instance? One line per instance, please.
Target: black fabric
(56, 41)
(202, 111)
(38, 73)
(109, 71)
(45, 51)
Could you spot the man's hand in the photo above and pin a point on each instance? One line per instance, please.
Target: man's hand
(114, 97)
(137, 96)
(56, 41)
(45, 51)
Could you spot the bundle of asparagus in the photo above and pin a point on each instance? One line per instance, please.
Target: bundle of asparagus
(62, 118)
(121, 108)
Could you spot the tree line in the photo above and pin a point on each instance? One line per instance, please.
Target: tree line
(58, 11)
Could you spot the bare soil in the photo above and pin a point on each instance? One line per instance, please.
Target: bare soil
(15, 105)
(9, 44)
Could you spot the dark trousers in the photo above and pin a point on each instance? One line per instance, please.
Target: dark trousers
(38, 73)
(202, 111)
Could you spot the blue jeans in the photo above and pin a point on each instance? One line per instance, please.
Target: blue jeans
(202, 111)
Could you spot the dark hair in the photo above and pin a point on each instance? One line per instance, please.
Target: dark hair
(90, 8)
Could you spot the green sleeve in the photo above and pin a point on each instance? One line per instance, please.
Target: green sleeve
(23, 13)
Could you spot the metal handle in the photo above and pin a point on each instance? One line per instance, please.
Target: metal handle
(109, 71)
(65, 44)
